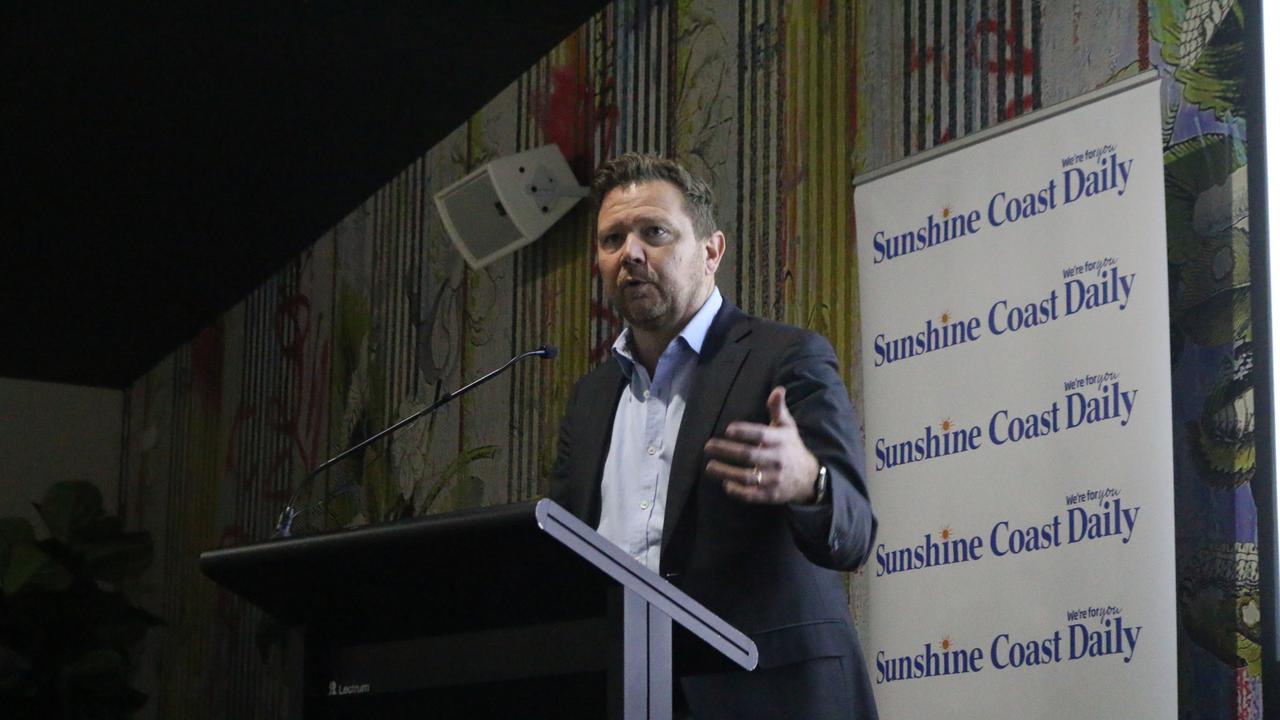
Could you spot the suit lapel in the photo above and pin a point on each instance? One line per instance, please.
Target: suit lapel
(718, 365)
(597, 435)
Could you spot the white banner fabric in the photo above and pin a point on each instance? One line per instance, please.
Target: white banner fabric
(1015, 350)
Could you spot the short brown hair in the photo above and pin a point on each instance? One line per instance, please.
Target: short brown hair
(631, 168)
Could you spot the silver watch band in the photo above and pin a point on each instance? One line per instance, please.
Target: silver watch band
(820, 486)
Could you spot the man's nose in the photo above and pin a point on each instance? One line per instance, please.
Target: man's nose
(633, 251)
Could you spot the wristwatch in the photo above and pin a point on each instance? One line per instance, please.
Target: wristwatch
(820, 486)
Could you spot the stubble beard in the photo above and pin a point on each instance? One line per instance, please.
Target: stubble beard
(644, 313)
(660, 312)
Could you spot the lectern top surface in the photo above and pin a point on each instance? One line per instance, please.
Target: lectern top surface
(507, 565)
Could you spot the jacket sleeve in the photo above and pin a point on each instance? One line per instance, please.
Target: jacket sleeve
(561, 470)
(838, 533)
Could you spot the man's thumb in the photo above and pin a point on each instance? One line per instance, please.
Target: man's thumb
(778, 412)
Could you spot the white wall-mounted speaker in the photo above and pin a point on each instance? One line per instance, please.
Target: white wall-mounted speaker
(508, 203)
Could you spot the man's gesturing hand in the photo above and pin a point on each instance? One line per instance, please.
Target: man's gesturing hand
(764, 463)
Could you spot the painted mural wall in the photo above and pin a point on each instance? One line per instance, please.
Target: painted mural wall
(779, 104)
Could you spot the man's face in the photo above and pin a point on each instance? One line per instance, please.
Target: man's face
(655, 268)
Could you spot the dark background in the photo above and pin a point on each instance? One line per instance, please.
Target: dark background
(158, 161)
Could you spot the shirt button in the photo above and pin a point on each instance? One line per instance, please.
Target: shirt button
(644, 504)
(653, 450)
(646, 394)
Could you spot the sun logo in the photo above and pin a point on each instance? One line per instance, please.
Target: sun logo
(946, 425)
(946, 211)
(946, 643)
(946, 318)
(945, 533)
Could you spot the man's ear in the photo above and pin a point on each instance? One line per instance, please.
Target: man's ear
(714, 245)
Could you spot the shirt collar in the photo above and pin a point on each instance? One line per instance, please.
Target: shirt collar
(693, 334)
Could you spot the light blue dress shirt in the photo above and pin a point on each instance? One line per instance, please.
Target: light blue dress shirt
(633, 491)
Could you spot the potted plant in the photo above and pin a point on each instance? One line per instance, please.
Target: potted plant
(67, 631)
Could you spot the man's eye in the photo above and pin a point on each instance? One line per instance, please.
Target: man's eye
(612, 240)
(656, 231)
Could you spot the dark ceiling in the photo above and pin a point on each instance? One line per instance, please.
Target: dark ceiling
(159, 160)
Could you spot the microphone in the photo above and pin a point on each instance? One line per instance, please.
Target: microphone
(284, 524)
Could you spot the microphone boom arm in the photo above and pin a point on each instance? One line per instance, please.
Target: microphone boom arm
(284, 523)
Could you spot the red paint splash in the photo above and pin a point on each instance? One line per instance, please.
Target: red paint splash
(1016, 62)
(295, 410)
(1023, 63)
(601, 311)
(571, 113)
(1144, 35)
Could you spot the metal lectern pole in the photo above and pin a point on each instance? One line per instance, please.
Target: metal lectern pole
(640, 682)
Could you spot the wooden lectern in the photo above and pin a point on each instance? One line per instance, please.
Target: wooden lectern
(517, 611)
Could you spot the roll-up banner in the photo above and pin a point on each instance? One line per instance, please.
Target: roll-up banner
(1015, 353)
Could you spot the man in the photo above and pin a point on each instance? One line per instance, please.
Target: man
(721, 451)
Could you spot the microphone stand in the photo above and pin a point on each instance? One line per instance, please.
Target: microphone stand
(284, 524)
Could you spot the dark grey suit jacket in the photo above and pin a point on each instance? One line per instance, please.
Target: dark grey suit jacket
(772, 572)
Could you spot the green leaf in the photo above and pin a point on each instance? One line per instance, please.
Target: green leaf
(121, 625)
(1212, 306)
(1217, 79)
(96, 662)
(107, 526)
(455, 470)
(95, 686)
(13, 531)
(1190, 168)
(29, 565)
(1166, 26)
(70, 507)
(122, 557)
(13, 668)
